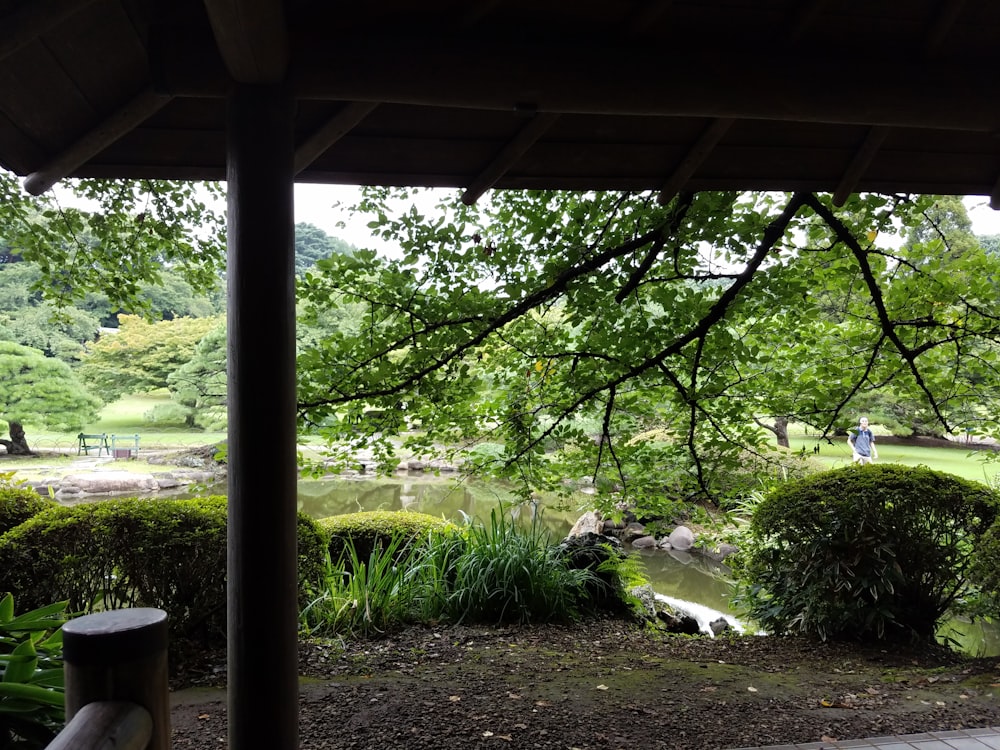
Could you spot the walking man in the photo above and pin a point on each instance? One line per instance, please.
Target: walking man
(862, 442)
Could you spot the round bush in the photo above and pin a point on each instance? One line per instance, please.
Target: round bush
(18, 504)
(169, 554)
(376, 528)
(867, 552)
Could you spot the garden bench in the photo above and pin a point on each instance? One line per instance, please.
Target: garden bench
(130, 449)
(99, 442)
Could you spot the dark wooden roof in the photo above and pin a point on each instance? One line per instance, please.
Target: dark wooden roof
(841, 96)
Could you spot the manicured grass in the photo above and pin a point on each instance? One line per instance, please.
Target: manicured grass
(959, 461)
(126, 417)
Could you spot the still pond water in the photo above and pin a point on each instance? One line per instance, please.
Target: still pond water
(689, 582)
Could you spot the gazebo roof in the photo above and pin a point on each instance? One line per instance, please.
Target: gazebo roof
(854, 95)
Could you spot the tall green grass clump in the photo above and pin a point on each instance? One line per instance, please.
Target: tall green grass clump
(506, 574)
(366, 597)
(483, 573)
(878, 552)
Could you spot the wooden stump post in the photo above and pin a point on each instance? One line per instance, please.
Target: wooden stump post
(120, 655)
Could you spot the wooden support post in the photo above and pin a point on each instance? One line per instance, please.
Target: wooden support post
(119, 655)
(262, 593)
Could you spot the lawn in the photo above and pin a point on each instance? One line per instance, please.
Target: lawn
(126, 417)
(958, 460)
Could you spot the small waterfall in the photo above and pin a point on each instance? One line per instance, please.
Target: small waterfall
(704, 615)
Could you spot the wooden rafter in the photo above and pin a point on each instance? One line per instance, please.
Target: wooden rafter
(332, 131)
(33, 18)
(650, 11)
(859, 164)
(119, 123)
(694, 158)
(805, 16)
(941, 25)
(252, 37)
(509, 155)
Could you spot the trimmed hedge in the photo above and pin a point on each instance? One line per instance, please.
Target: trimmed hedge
(169, 554)
(371, 529)
(867, 552)
(18, 504)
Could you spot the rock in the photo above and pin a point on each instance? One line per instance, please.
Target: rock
(719, 626)
(589, 523)
(632, 531)
(644, 542)
(104, 482)
(721, 552)
(681, 538)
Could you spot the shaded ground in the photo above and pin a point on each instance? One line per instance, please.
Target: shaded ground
(605, 685)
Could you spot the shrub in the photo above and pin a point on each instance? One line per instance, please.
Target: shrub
(371, 529)
(18, 503)
(866, 552)
(169, 554)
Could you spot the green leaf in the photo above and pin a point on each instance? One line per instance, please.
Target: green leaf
(21, 663)
(18, 691)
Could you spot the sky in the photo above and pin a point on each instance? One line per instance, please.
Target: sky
(323, 206)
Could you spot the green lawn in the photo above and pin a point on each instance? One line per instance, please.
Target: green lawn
(958, 460)
(125, 417)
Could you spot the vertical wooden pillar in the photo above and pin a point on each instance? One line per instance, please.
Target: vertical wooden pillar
(119, 655)
(263, 615)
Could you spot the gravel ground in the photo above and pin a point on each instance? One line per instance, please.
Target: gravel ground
(604, 684)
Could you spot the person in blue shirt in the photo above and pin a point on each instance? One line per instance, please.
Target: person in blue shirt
(862, 442)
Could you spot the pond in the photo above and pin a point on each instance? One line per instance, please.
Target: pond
(690, 582)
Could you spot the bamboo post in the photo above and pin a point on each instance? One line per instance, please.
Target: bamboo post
(120, 655)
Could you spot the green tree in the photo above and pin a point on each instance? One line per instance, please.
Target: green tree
(27, 318)
(199, 385)
(41, 391)
(312, 244)
(141, 356)
(130, 234)
(635, 343)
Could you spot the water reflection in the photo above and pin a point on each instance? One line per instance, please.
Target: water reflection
(679, 576)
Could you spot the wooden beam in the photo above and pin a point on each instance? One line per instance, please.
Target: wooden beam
(646, 14)
(819, 87)
(941, 25)
(335, 128)
(508, 156)
(995, 196)
(859, 164)
(822, 86)
(263, 713)
(805, 16)
(252, 37)
(694, 158)
(137, 111)
(33, 18)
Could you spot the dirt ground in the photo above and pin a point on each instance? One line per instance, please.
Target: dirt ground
(604, 684)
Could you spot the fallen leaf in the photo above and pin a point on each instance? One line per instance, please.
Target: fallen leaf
(938, 703)
(513, 696)
(454, 698)
(602, 687)
(204, 716)
(827, 738)
(487, 733)
(751, 688)
(709, 689)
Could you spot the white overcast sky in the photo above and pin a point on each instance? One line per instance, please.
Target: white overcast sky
(323, 206)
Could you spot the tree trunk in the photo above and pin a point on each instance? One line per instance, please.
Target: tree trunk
(779, 428)
(18, 443)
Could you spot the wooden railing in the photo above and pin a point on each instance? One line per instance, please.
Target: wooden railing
(115, 664)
